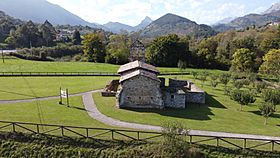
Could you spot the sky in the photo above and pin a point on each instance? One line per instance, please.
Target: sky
(131, 12)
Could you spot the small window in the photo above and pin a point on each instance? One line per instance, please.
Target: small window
(152, 98)
(140, 98)
(172, 96)
(128, 97)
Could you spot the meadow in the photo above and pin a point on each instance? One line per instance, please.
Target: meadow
(220, 113)
(19, 65)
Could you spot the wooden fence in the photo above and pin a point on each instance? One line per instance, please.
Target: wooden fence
(193, 136)
(56, 74)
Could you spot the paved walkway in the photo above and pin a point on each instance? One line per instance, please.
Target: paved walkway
(96, 114)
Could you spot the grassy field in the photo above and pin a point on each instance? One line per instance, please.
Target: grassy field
(31, 87)
(49, 112)
(19, 65)
(219, 114)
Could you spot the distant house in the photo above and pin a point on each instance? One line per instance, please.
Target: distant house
(64, 35)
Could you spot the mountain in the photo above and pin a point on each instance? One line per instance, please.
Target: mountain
(174, 24)
(144, 23)
(41, 10)
(270, 15)
(117, 27)
(225, 20)
(274, 8)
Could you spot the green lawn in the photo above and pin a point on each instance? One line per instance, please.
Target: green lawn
(219, 114)
(49, 112)
(30, 87)
(19, 65)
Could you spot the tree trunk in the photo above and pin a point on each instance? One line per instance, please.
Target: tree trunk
(241, 107)
(265, 121)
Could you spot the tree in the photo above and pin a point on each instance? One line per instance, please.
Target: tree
(48, 33)
(94, 48)
(76, 37)
(203, 77)
(266, 110)
(214, 81)
(242, 97)
(182, 65)
(271, 64)
(26, 35)
(118, 49)
(243, 60)
(272, 96)
(224, 78)
(195, 75)
(167, 50)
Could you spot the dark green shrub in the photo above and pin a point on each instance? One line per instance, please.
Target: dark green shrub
(260, 86)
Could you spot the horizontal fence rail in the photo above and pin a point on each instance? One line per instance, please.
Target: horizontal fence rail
(84, 132)
(194, 136)
(53, 74)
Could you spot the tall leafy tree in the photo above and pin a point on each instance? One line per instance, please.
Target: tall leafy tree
(76, 37)
(94, 47)
(167, 50)
(271, 64)
(243, 60)
(117, 50)
(48, 33)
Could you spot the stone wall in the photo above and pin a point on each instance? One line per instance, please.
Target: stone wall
(174, 100)
(140, 92)
(177, 83)
(196, 95)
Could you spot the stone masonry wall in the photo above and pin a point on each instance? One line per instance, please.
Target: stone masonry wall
(140, 92)
(174, 100)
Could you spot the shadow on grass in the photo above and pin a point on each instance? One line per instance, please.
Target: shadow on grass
(259, 113)
(192, 111)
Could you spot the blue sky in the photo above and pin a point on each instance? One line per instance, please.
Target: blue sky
(133, 11)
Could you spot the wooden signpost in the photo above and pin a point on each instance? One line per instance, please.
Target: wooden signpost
(64, 94)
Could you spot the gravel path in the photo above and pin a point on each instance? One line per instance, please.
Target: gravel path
(96, 114)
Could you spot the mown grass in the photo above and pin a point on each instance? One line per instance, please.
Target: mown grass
(32, 87)
(49, 112)
(20, 65)
(219, 114)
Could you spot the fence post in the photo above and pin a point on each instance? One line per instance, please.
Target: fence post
(217, 141)
(244, 145)
(87, 132)
(272, 145)
(14, 127)
(112, 134)
(191, 139)
(62, 132)
(38, 129)
(138, 135)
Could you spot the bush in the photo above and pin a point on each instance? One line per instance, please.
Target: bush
(238, 84)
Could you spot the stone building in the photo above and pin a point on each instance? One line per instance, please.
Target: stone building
(141, 88)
